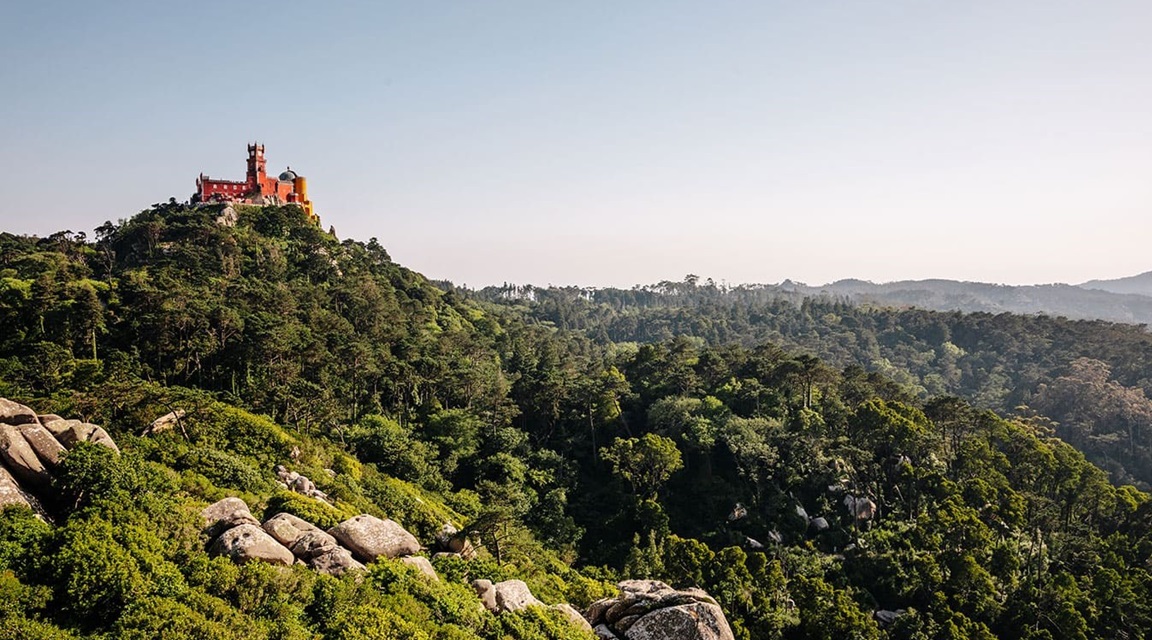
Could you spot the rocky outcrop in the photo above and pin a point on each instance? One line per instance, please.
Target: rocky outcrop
(31, 446)
(46, 446)
(369, 537)
(514, 595)
(335, 561)
(652, 610)
(10, 493)
(452, 541)
(861, 508)
(310, 544)
(16, 414)
(21, 459)
(573, 616)
(165, 422)
(287, 528)
(58, 426)
(248, 542)
(86, 432)
(285, 537)
(422, 565)
(226, 514)
(506, 596)
(297, 483)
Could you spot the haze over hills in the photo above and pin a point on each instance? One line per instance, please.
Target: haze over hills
(1127, 300)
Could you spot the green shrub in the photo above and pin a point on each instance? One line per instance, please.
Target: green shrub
(226, 470)
(319, 513)
(23, 537)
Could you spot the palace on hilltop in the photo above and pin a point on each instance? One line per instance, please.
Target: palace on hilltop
(258, 187)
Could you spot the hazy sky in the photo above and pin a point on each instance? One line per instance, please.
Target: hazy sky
(612, 142)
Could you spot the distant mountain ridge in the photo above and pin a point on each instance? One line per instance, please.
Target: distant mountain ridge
(1127, 300)
(1138, 284)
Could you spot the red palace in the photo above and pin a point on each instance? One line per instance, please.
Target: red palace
(257, 187)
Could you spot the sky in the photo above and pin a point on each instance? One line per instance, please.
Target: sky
(612, 143)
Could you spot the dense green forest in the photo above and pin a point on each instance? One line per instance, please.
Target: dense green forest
(1092, 378)
(822, 470)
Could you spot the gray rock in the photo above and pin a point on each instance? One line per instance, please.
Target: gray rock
(861, 508)
(572, 615)
(369, 538)
(227, 218)
(248, 542)
(487, 592)
(287, 528)
(86, 432)
(652, 589)
(47, 448)
(625, 623)
(652, 610)
(514, 595)
(697, 621)
(45, 418)
(165, 422)
(15, 413)
(618, 610)
(335, 561)
(303, 485)
(312, 543)
(597, 609)
(886, 617)
(10, 493)
(20, 458)
(422, 565)
(604, 633)
(449, 539)
(58, 427)
(226, 514)
(445, 535)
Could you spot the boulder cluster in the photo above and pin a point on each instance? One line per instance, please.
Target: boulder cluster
(31, 445)
(514, 595)
(298, 483)
(285, 539)
(652, 610)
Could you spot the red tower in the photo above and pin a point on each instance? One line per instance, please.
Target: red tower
(257, 171)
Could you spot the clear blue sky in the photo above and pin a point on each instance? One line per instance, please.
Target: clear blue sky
(612, 142)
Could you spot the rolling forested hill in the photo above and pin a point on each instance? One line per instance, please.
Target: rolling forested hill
(820, 469)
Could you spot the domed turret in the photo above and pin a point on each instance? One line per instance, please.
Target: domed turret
(288, 176)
